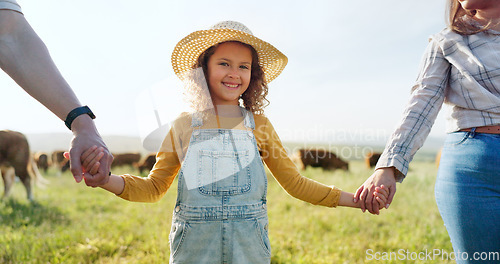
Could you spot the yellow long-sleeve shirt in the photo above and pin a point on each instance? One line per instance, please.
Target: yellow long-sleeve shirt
(174, 147)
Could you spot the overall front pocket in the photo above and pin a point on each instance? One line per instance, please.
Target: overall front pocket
(177, 235)
(223, 172)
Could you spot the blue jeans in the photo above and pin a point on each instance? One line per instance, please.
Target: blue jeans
(468, 195)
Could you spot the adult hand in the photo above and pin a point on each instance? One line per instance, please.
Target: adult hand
(382, 176)
(84, 137)
(25, 58)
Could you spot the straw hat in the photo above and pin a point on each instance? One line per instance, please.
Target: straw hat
(187, 51)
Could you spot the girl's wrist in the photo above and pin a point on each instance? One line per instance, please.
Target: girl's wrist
(116, 184)
(346, 199)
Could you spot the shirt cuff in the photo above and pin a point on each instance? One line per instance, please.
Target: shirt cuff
(10, 5)
(396, 161)
(332, 199)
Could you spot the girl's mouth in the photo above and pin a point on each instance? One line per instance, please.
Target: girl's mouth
(231, 85)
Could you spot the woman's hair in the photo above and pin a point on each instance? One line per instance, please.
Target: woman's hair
(461, 21)
(254, 98)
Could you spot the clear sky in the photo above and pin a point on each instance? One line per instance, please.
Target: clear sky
(351, 63)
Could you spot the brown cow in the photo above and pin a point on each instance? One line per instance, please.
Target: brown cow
(42, 161)
(126, 159)
(147, 163)
(8, 174)
(16, 159)
(319, 158)
(59, 161)
(371, 159)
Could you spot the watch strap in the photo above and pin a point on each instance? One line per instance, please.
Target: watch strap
(77, 112)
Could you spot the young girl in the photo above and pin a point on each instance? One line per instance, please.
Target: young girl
(220, 215)
(461, 68)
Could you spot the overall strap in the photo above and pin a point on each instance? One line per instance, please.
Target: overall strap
(197, 119)
(248, 121)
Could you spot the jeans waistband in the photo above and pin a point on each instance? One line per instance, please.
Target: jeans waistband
(224, 212)
(483, 129)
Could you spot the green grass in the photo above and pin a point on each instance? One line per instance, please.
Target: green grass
(72, 223)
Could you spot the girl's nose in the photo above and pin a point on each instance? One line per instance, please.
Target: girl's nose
(233, 74)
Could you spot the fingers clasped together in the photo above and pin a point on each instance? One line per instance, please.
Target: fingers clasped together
(377, 191)
(93, 166)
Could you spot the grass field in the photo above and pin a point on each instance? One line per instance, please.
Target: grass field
(72, 223)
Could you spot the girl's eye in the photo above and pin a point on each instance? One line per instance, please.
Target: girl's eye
(224, 64)
(244, 67)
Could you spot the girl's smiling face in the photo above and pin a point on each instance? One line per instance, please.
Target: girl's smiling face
(229, 72)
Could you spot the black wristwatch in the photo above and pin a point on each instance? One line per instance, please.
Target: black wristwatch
(77, 112)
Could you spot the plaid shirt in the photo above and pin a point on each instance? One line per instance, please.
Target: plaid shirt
(461, 71)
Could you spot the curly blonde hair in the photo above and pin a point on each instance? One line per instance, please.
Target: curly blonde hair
(254, 98)
(461, 20)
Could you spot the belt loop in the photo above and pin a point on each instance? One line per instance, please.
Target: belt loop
(472, 132)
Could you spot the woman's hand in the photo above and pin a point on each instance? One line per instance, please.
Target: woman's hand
(364, 194)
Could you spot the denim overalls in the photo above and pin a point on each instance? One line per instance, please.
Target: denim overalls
(220, 214)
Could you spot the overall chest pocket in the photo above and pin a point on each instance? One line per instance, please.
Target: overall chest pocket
(224, 172)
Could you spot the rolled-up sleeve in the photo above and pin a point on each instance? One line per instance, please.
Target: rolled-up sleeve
(427, 97)
(10, 5)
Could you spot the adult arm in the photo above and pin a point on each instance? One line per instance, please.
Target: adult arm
(25, 58)
(421, 111)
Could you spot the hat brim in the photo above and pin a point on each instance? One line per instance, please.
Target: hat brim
(187, 51)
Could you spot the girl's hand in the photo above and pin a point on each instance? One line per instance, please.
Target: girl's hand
(364, 194)
(381, 195)
(90, 159)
